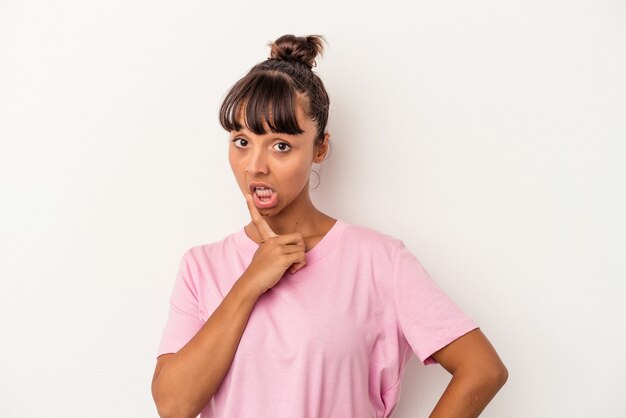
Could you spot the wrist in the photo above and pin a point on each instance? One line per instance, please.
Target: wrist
(247, 288)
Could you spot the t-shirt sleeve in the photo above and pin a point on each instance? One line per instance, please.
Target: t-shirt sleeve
(428, 318)
(184, 314)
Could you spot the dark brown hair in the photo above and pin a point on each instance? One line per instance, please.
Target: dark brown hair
(272, 89)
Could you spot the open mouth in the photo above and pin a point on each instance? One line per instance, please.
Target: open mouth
(264, 194)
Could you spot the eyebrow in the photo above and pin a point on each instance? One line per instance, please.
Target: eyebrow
(276, 135)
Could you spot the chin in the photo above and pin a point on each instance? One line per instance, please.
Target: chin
(269, 211)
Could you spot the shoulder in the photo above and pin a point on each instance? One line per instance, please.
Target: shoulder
(371, 240)
(201, 254)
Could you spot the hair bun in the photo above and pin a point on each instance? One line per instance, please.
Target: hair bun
(303, 49)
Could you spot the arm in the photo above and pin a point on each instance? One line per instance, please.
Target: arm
(477, 375)
(184, 382)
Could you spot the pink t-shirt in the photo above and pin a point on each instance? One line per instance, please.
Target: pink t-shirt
(331, 340)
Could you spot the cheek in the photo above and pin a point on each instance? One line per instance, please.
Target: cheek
(231, 160)
(237, 170)
(235, 163)
(297, 173)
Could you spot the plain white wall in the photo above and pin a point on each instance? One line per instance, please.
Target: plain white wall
(488, 135)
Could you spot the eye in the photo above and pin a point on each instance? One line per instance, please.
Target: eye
(283, 146)
(239, 139)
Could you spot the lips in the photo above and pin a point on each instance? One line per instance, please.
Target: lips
(263, 199)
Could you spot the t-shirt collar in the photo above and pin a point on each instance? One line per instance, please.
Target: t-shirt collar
(321, 249)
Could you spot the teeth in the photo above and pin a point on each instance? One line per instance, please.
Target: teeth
(261, 191)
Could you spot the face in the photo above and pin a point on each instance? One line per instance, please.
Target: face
(280, 162)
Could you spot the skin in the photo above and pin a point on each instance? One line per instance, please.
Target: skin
(184, 382)
(284, 162)
(477, 371)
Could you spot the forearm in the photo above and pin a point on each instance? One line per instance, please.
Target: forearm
(188, 381)
(468, 393)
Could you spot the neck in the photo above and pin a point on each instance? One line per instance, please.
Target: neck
(300, 216)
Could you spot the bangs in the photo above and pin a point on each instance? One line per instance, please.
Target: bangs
(261, 97)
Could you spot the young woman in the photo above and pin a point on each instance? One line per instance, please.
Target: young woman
(299, 314)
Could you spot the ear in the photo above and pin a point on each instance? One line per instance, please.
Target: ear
(322, 149)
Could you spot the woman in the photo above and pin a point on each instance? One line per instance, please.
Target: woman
(299, 314)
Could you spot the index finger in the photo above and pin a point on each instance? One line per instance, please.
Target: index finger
(257, 220)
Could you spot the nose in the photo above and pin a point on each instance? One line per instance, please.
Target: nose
(257, 163)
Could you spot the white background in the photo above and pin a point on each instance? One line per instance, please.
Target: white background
(488, 135)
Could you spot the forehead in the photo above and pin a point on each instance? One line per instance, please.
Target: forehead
(289, 115)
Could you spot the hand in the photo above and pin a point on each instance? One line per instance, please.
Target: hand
(276, 253)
